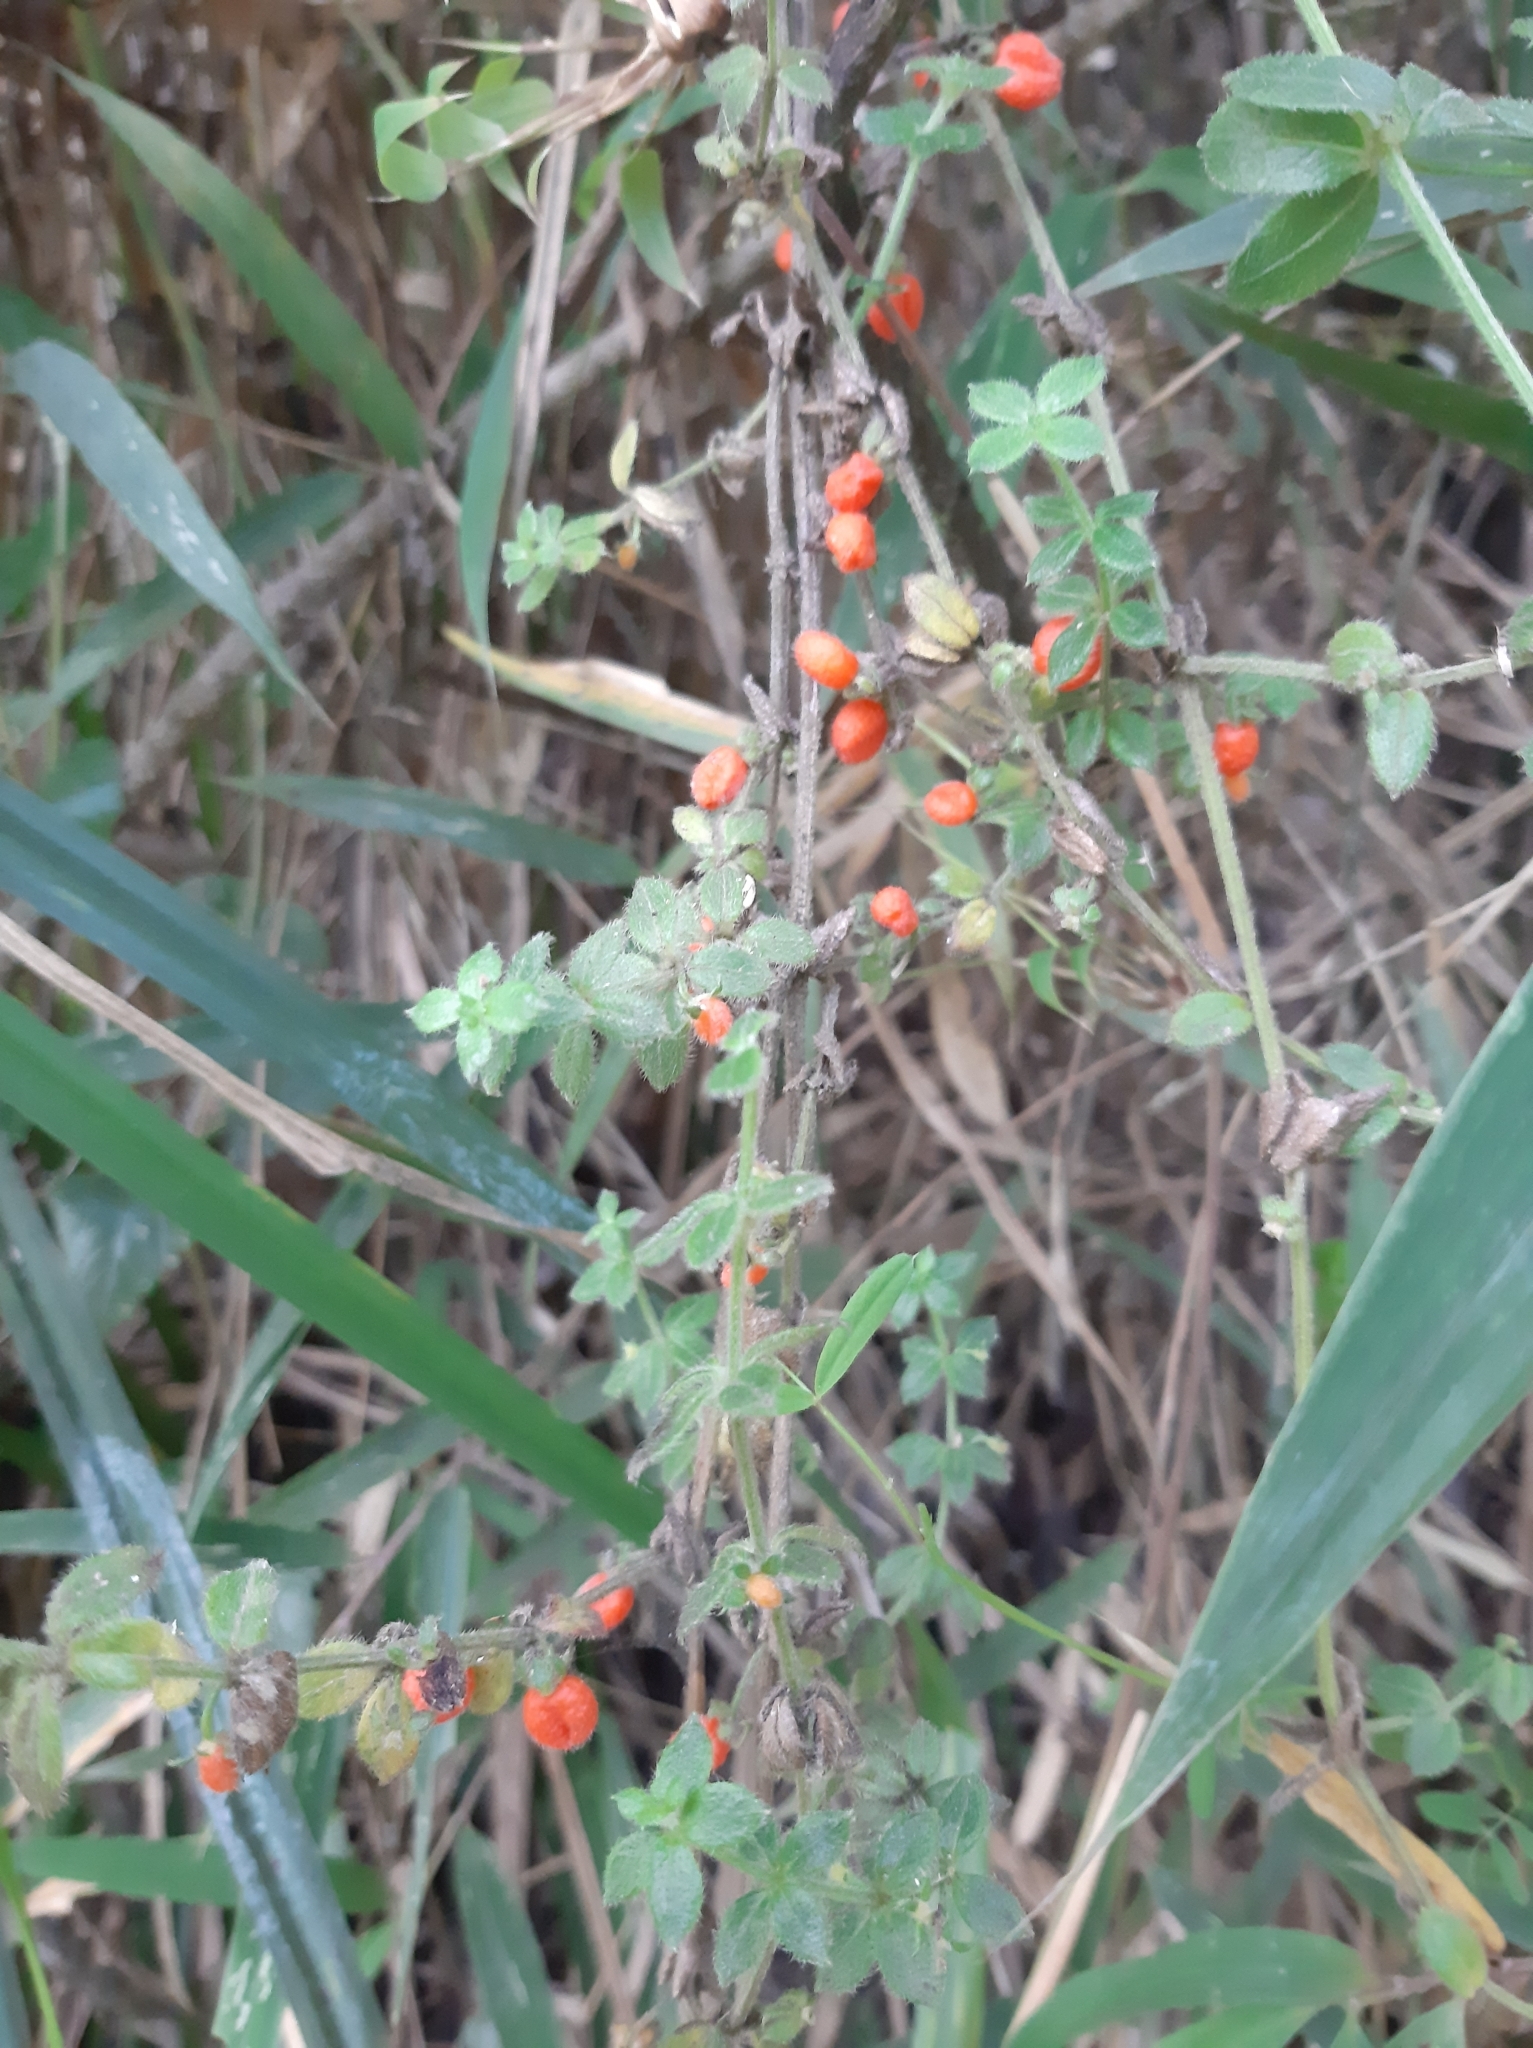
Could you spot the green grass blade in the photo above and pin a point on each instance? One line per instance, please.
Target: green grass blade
(1432, 1348)
(66, 872)
(422, 814)
(308, 505)
(1243, 2026)
(1461, 412)
(323, 1490)
(183, 1869)
(508, 1963)
(128, 461)
(270, 1851)
(485, 470)
(348, 1216)
(163, 1165)
(1224, 1966)
(299, 300)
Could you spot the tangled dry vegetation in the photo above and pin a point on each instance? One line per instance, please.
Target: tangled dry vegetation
(1109, 1187)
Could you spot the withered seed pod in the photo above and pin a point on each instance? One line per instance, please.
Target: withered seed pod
(263, 1706)
(814, 1733)
(442, 1684)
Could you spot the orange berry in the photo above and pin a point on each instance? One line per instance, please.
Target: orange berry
(712, 1020)
(854, 484)
(905, 300)
(1036, 73)
(218, 1770)
(612, 1608)
(893, 909)
(829, 660)
(720, 1746)
(950, 803)
(564, 1718)
(628, 554)
(763, 1591)
(859, 729)
(782, 250)
(1043, 641)
(1236, 746)
(839, 16)
(1237, 787)
(852, 542)
(755, 1273)
(719, 778)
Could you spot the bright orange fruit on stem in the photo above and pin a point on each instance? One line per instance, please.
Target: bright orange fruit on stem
(782, 250)
(950, 803)
(1236, 746)
(1036, 73)
(218, 1770)
(893, 909)
(1237, 787)
(711, 1729)
(564, 1718)
(712, 1020)
(611, 1608)
(905, 300)
(763, 1591)
(829, 660)
(852, 542)
(719, 778)
(854, 484)
(1043, 642)
(859, 729)
(755, 1273)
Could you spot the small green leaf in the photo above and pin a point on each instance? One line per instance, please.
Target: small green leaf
(735, 78)
(1303, 245)
(323, 1694)
(387, 1738)
(410, 172)
(986, 1908)
(1214, 1017)
(1363, 654)
(1307, 80)
(869, 1307)
(238, 1605)
(641, 192)
(1401, 736)
(744, 1936)
(98, 1591)
(1247, 148)
(1068, 384)
(34, 1743)
(675, 1893)
(1451, 1947)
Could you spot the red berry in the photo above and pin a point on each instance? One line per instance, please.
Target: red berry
(719, 778)
(829, 660)
(712, 1020)
(564, 1718)
(905, 300)
(854, 484)
(852, 542)
(782, 250)
(612, 1608)
(1236, 746)
(950, 803)
(1036, 73)
(720, 1746)
(218, 1770)
(1043, 641)
(1237, 787)
(893, 909)
(859, 729)
(839, 16)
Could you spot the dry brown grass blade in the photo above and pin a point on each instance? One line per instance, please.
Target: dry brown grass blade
(1340, 1803)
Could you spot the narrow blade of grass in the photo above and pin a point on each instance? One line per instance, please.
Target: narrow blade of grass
(155, 1159)
(270, 1851)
